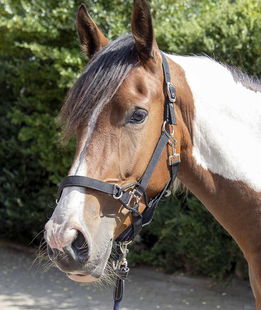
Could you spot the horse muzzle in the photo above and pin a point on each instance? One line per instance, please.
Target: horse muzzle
(67, 248)
(74, 261)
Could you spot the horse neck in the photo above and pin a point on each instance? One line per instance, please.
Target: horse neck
(220, 162)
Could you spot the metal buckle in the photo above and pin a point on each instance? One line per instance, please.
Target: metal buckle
(171, 91)
(174, 158)
(167, 193)
(134, 195)
(120, 192)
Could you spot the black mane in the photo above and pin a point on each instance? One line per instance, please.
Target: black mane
(99, 82)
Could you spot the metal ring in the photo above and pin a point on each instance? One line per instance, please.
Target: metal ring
(167, 193)
(171, 135)
(164, 126)
(120, 192)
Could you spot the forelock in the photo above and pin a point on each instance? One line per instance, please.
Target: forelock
(98, 83)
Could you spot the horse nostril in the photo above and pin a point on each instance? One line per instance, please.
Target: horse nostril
(49, 251)
(74, 252)
(80, 247)
(79, 241)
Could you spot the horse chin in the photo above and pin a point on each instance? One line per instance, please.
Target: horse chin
(82, 278)
(93, 270)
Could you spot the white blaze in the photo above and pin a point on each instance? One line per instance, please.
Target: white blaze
(72, 201)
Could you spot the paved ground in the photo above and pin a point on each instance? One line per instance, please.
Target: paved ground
(26, 287)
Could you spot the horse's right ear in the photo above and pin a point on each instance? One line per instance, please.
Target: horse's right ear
(91, 37)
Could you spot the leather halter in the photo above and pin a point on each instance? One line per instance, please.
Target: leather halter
(130, 195)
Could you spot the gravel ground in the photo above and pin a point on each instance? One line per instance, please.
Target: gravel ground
(26, 286)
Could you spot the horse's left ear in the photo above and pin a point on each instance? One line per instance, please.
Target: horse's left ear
(91, 37)
(142, 30)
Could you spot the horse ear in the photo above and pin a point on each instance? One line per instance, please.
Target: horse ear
(142, 30)
(91, 38)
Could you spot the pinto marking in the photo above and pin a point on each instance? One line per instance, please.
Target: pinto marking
(227, 123)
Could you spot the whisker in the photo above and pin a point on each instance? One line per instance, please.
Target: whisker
(40, 232)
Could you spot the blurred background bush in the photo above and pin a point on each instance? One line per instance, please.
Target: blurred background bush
(40, 59)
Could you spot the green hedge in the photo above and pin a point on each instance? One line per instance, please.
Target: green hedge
(40, 59)
(184, 236)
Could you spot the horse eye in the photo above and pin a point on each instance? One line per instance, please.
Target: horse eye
(138, 116)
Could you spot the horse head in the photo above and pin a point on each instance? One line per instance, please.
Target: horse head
(116, 110)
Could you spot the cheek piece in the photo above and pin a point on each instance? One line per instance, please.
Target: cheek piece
(130, 195)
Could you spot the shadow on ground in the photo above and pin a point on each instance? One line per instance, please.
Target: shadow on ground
(25, 286)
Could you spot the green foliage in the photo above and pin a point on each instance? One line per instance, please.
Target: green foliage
(229, 31)
(40, 59)
(184, 236)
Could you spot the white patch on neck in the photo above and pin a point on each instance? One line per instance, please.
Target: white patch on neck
(227, 124)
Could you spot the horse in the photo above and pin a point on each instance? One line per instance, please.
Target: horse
(116, 111)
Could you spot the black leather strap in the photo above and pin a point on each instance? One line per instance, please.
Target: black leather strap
(87, 182)
(170, 98)
(143, 183)
(90, 183)
(119, 288)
